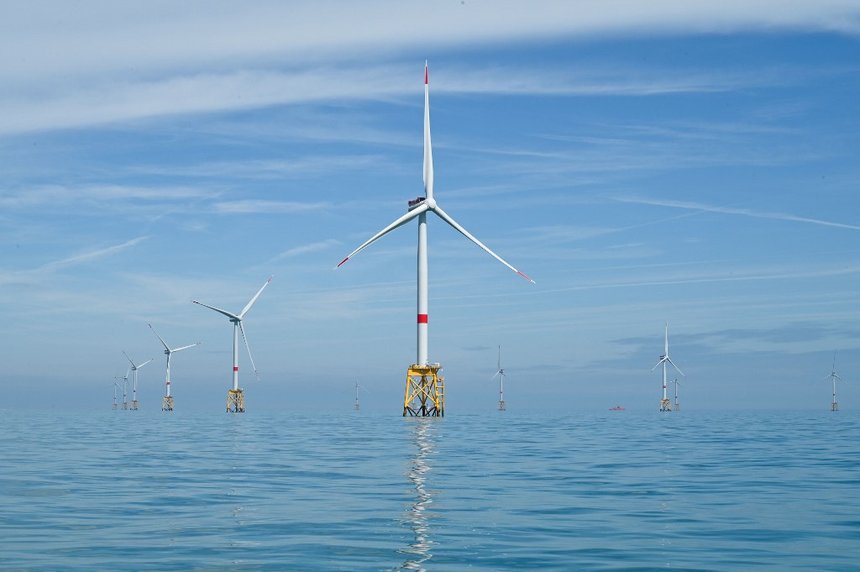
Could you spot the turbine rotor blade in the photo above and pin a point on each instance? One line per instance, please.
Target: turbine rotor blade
(658, 363)
(666, 344)
(185, 347)
(428, 146)
(396, 224)
(444, 216)
(159, 337)
(144, 363)
(219, 310)
(248, 347)
(254, 299)
(129, 360)
(676, 367)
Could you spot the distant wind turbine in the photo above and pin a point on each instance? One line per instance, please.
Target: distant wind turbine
(500, 373)
(115, 387)
(357, 387)
(167, 401)
(665, 404)
(422, 380)
(834, 377)
(677, 383)
(125, 389)
(134, 368)
(235, 396)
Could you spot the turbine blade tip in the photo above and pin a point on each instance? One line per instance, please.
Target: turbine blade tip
(526, 277)
(341, 263)
(426, 73)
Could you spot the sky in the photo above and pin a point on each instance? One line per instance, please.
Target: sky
(685, 162)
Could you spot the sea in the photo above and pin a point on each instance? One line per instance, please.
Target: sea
(611, 490)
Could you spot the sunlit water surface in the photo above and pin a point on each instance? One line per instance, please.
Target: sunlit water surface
(123, 490)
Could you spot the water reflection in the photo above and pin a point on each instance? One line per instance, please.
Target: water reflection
(417, 516)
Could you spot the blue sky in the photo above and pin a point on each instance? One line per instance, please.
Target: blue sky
(694, 163)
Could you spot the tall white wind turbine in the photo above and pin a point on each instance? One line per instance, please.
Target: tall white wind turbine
(235, 396)
(115, 387)
(125, 389)
(500, 373)
(834, 377)
(665, 404)
(425, 383)
(677, 383)
(134, 368)
(167, 400)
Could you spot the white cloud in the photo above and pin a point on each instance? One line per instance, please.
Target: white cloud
(68, 65)
(252, 206)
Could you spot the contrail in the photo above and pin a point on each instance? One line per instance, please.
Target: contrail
(734, 211)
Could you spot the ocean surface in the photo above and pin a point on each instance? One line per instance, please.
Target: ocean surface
(123, 490)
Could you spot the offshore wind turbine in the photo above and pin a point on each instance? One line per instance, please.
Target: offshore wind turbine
(424, 385)
(677, 383)
(834, 377)
(115, 387)
(665, 404)
(235, 396)
(167, 400)
(125, 389)
(500, 372)
(134, 368)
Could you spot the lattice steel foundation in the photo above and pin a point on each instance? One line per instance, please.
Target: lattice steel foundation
(425, 391)
(235, 401)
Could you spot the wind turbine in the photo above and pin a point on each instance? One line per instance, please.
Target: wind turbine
(125, 389)
(115, 387)
(357, 406)
(423, 382)
(677, 405)
(167, 400)
(665, 404)
(501, 375)
(834, 406)
(134, 368)
(235, 396)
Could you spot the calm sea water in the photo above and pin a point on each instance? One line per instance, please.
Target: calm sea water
(143, 490)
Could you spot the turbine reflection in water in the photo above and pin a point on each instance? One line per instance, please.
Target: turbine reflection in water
(417, 517)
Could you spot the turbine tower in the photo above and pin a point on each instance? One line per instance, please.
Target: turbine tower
(425, 388)
(677, 405)
(356, 406)
(665, 404)
(115, 387)
(235, 396)
(167, 400)
(134, 368)
(500, 372)
(834, 377)
(125, 390)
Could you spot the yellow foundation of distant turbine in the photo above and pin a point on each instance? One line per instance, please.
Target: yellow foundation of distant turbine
(665, 405)
(235, 401)
(167, 403)
(135, 405)
(425, 391)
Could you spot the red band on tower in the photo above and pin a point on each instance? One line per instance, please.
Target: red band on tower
(422, 318)
(235, 368)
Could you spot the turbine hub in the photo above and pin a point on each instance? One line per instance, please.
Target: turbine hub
(431, 203)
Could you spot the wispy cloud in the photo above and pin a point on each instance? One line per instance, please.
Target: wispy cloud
(735, 211)
(92, 255)
(252, 206)
(81, 258)
(306, 249)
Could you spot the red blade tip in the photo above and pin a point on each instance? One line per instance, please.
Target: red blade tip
(342, 261)
(526, 277)
(426, 75)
